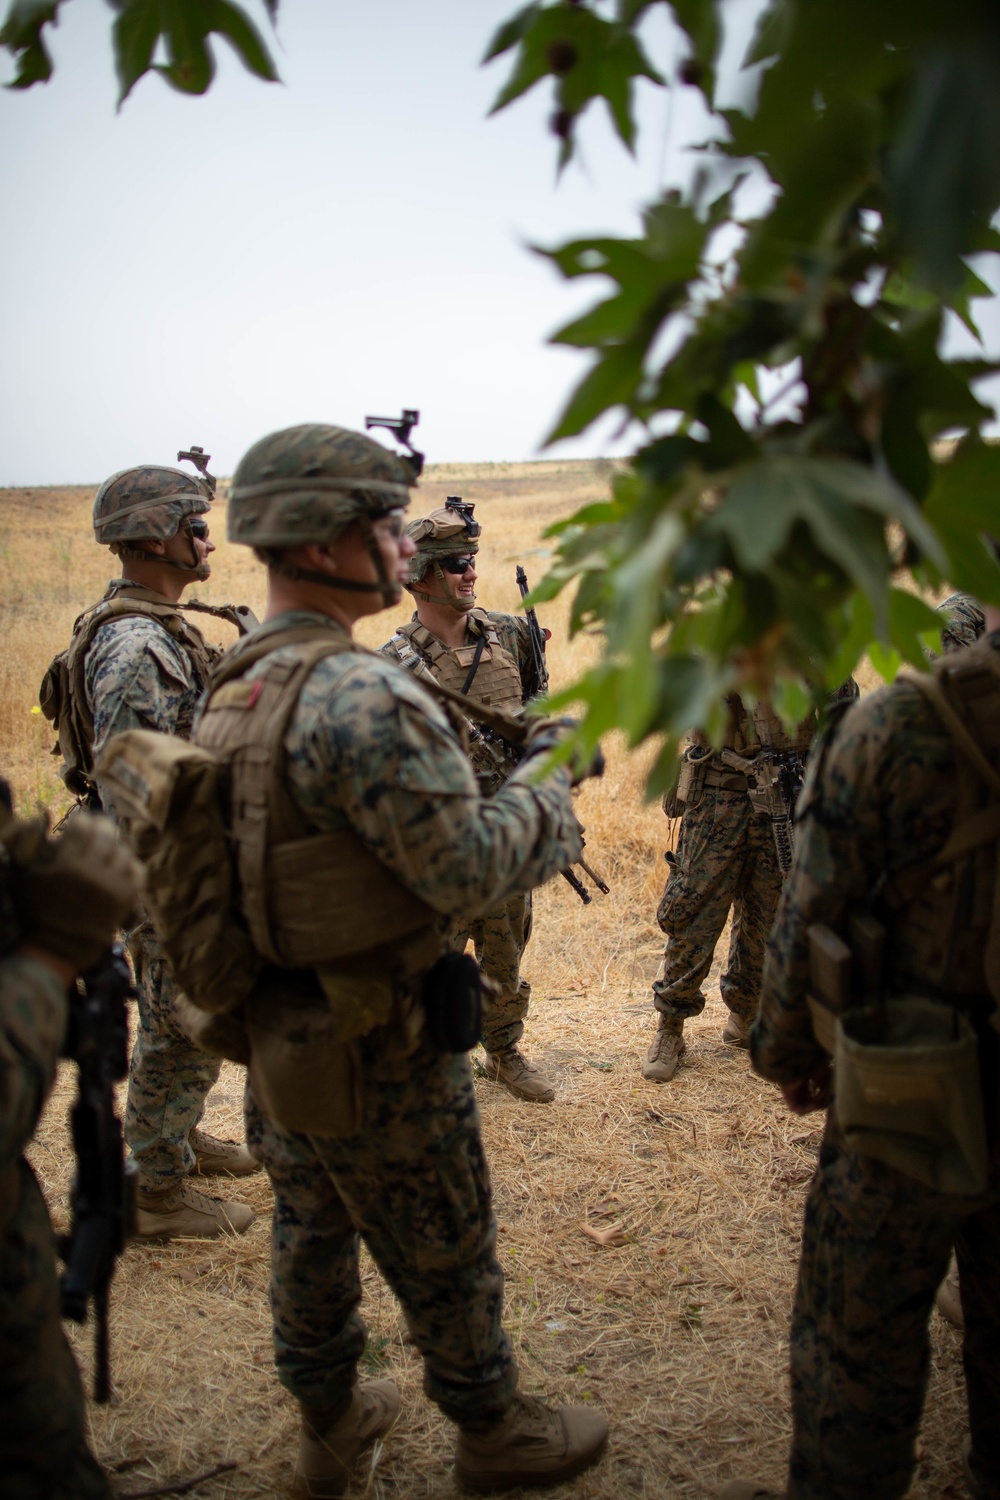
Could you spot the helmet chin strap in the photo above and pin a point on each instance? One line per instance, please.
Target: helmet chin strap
(389, 591)
(460, 606)
(200, 569)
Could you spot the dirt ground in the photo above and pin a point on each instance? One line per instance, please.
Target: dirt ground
(677, 1326)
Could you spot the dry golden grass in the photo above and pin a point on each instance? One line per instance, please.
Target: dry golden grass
(679, 1332)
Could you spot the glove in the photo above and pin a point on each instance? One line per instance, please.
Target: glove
(72, 893)
(545, 734)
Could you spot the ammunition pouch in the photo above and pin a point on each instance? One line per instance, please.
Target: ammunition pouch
(908, 1092)
(453, 1003)
(695, 774)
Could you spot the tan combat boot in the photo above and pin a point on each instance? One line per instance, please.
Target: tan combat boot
(736, 1031)
(215, 1158)
(665, 1051)
(328, 1451)
(533, 1445)
(519, 1077)
(949, 1299)
(183, 1211)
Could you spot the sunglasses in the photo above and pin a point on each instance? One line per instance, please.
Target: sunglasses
(198, 528)
(458, 565)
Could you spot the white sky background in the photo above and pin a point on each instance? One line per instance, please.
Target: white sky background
(352, 240)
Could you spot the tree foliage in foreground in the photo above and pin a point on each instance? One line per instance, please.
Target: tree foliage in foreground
(753, 544)
(758, 541)
(183, 28)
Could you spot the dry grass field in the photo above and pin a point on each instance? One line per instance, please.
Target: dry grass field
(676, 1326)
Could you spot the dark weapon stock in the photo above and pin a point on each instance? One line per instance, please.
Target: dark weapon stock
(101, 1198)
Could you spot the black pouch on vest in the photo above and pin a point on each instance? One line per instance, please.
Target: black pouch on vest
(453, 1003)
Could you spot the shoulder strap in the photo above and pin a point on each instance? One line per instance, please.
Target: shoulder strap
(930, 687)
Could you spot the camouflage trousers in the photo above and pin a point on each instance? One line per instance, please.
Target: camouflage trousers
(875, 1247)
(43, 1449)
(169, 1076)
(725, 859)
(500, 937)
(414, 1184)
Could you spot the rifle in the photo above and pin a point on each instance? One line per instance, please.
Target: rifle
(774, 780)
(535, 633)
(102, 1195)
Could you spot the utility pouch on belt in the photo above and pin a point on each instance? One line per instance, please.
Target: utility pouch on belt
(906, 1071)
(690, 781)
(453, 1003)
(303, 1074)
(907, 1091)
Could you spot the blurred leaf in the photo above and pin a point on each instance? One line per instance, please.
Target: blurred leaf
(944, 168)
(21, 34)
(184, 26)
(588, 57)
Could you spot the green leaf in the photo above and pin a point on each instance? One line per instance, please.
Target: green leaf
(909, 618)
(511, 32)
(236, 26)
(588, 56)
(944, 169)
(700, 21)
(21, 34)
(611, 382)
(135, 34)
(185, 25)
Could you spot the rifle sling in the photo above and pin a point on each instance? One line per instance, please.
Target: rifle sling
(239, 658)
(475, 664)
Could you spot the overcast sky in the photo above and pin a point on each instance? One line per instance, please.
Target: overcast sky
(352, 240)
(349, 241)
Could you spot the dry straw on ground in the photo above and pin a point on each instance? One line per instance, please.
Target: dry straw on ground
(676, 1324)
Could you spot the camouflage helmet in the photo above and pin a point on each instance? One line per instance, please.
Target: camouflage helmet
(306, 484)
(449, 531)
(148, 503)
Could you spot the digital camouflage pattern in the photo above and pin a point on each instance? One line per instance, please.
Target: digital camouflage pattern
(169, 1077)
(966, 621)
(306, 484)
(500, 935)
(147, 503)
(415, 1184)
(138, 677)
(369, 748)
(43, 1447)
(725, 860)
(880, 795)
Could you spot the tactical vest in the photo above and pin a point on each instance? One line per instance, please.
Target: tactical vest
(749, 730)
(497, 678)
(945, 912)
(62, 695)
(309, 900)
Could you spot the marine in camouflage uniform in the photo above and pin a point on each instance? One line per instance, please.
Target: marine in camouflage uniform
(137, 661)
(885, 792)
(487, 656)
(44, 1454)
(966, 621)
(374, 774)
(726, 861)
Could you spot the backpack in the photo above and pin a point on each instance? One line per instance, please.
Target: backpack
(62, 694)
